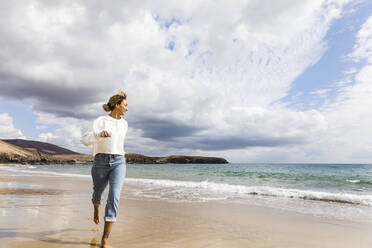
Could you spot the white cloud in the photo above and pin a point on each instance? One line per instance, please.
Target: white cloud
(7, 129)
(230, 61)
(67, 137)
(319, 92)
(363, 46)
(41, 127)
(348, 118)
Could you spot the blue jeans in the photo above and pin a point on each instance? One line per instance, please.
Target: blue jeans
(108, 168)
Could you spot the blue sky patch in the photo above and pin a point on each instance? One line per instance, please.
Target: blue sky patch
(24, 118)
(321, 81)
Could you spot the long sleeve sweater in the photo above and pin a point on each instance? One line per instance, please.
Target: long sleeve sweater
(117, 128)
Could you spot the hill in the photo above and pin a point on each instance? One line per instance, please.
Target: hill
(36, 152)
(42, 147)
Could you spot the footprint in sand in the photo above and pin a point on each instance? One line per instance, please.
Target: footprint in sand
(94, 229)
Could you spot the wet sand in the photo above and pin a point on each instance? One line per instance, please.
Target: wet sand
(47, 211)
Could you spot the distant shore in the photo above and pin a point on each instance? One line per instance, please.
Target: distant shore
(19, 151)
(131, 158)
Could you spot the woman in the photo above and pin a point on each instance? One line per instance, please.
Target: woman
(107, 136)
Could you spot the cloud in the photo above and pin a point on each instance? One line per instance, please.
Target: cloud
(200, 77)
(67, 136)
(348, 118)
(7, 129)
(164, 130)
(363, 46)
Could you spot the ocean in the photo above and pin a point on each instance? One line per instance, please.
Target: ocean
(340, 191)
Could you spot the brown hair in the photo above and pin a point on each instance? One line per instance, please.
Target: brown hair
(115, 99)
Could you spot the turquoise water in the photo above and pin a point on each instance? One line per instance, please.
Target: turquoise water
(329, 190)
(333, 177)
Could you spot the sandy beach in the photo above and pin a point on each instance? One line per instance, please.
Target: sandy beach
(54, 211)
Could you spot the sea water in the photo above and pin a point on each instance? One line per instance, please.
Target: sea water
(341, 191)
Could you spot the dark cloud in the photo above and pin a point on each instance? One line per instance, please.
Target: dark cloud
(55, 99)
(244, 142)
(181, 135)
(225, 143)
(164, 130)
(59, 94)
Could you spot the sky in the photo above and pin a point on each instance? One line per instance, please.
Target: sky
(251, 81)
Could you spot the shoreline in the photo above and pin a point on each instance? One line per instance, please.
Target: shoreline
(318, 203)
(57, 212)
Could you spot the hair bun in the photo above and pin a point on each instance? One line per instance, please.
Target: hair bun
(122, 93)
(106, 107)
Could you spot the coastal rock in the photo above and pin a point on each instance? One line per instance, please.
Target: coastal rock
(135, 158)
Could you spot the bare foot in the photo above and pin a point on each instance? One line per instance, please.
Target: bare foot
(96, 214)
(94, 242)
(104, 243)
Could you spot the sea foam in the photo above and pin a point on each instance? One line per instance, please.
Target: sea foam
(262, 190)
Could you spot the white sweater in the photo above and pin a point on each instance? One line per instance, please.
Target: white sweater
(111, 145)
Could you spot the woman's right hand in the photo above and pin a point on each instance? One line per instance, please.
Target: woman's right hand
(104, 133)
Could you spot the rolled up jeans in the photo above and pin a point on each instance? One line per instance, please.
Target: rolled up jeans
(108, 169)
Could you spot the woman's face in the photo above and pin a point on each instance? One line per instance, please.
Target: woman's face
(122, 108)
